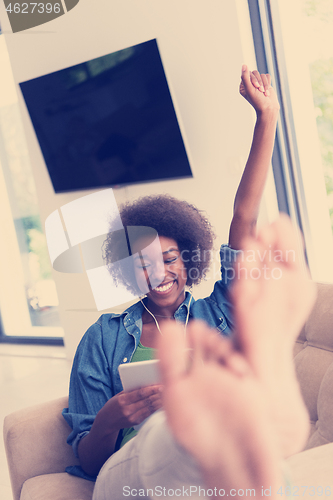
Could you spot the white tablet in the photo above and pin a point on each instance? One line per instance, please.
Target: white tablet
(139, 374)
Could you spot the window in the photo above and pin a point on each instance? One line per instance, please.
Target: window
(28, 298)
(293, 41)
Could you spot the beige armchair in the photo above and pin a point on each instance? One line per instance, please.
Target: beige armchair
(37, 453)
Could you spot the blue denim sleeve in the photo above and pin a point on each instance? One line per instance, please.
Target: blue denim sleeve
(220, 295)
(228, 257)
(90, 385)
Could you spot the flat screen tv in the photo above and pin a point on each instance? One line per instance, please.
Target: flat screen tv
(108, 121)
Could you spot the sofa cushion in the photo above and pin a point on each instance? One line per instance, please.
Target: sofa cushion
(324, 426)
(311, 468)
(314, 366)
(59, 486)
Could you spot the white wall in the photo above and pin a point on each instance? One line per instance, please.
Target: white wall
(200, 44)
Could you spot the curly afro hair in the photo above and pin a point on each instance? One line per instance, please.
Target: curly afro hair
(171, 218)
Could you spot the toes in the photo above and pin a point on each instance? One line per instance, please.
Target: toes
(290, 241)
(266, 237)
(222, 349)
(283, 244)
(201, 340)
(248, 272)
(217, 348)
(237, 363)
(285, 240)
(207, 345)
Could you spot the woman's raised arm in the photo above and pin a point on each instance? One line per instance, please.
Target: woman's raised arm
(257, 90)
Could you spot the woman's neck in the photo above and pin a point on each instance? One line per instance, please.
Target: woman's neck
(163, 312)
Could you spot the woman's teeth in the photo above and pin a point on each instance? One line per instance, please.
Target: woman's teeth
(164, 288)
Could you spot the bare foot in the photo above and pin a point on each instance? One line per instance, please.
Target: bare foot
(237, 407)
(217, 409)
(273, 296)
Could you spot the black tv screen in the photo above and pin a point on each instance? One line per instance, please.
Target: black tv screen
(108, 121)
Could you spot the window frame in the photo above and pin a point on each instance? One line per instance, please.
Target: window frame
(269, 53)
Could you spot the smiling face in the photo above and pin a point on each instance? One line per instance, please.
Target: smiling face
(160, 265)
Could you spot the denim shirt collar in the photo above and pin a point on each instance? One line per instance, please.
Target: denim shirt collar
(182, 311)
(133, 314)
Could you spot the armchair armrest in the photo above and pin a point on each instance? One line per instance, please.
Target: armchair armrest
(35, 442)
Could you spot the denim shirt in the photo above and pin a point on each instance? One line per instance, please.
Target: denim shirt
(113, 339)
